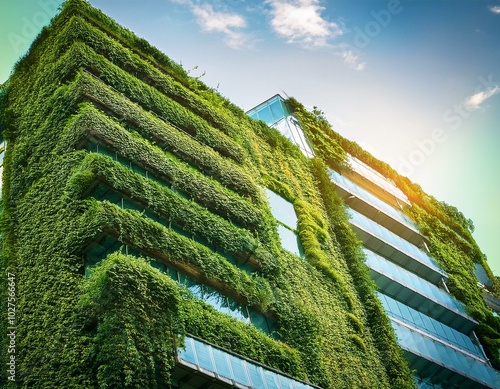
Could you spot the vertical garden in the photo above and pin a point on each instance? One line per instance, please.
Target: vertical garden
(134, 212)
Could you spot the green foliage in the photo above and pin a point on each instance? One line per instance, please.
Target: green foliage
(181, 252)
(278, 187)
(129, 312)
(314, 237)
(163, 202)
(189, 91)
(201, 188)
(203, 321)
(325, 141)
(378, 323)
(159, 92)
(206, 163)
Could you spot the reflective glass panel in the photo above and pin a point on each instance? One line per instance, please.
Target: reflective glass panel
(282, 209)
(452, 359)
(369, 198)
(231, 366)
(412, 281)
(392, 239)
(289, 240)
(428, 324)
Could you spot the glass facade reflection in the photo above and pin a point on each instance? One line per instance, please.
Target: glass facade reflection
(393, 240)
(371, 199)
(275, 113)
(443, 360)
(432, 327)
(235, 370)
(284, 213)
(419, 285)
(376, 178)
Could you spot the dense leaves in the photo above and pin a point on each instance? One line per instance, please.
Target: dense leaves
(187, 159)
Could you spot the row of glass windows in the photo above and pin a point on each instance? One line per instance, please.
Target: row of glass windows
(369, 198)
(270, 111)
(432, 350)
(376, 178)
(428, 324)
(275, 113)
(281, 209)
(96, 147)
(107, 245)
(101, 192)
(220, 302)
(404, 277)
(237, 369)
(391, 238)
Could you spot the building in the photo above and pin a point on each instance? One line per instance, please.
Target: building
(432, 326)
(156, 236)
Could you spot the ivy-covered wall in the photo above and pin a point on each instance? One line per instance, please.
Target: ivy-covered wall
(92, 106)
(449, 231)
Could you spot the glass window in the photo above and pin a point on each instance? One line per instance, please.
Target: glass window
(412, 281)
(282, 210)
(221, 361)
(392, 239)
(266, 115)
(215, 299)
(239, 370)
(271, 380)
(369, 198)
(289, 240)
(256, 375)
(204, 356)
(277, 110)
(189, 351)
(238, 311)
(284, 213)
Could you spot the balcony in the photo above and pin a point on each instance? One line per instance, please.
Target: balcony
(437, 363)
(374, 182)
(389, 245)
(200, 364)
(419, 294)
(377, 210)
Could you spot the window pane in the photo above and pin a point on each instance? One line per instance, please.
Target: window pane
(289, 240)
(282, 210)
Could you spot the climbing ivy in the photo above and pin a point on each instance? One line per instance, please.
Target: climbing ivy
(449, 232)
(194, 168)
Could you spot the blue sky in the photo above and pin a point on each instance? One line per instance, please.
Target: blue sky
(417, 83)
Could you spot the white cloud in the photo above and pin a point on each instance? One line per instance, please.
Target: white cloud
(352, 59)
(495, 9)
(227, 23)
(211, 20)
(300, 21)
(474, 102)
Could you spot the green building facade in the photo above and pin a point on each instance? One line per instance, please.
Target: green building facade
(154, 235)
